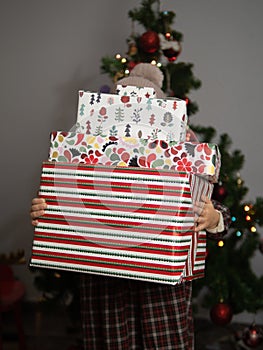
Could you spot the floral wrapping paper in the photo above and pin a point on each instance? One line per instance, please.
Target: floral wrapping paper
(197, 158)
(133, 112)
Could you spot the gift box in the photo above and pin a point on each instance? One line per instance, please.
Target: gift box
(197, 158)
(133, 112)
(128, 222)
(123, 189)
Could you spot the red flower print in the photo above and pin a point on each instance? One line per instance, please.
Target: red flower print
(103, 111)
(204, 148)
(176, 149)
(145, 162)
(184, 165)
(125, 99)
(91, 159)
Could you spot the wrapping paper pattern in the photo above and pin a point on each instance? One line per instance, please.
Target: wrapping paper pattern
(197, 158)
(131, 113)
(117, 221)
(135, 91)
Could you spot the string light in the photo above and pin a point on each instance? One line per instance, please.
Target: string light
(168, 36)
(246, 207)
(118, 56)
(253, 229)
(123, 60)
(153, 62)
(233, 219)
(248, 217)
(159, 64)
(127, 72)
(220, 243)
(239, 181)
(238, 234)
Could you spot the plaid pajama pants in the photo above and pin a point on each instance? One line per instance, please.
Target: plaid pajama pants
(121, 314)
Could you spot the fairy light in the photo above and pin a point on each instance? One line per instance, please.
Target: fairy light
(159, 64)
(127, 72)
(118, 56)
(234, 219)
(238, 233)
(239, 181)
(253, 229)
(220, 243)
(153, 62)
(248, 218)
(168, 36)
(246, 207)
(123, 60)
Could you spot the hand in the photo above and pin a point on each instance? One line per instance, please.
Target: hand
(37, 209)
(208, 218)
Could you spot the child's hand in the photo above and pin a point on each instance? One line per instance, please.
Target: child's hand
(208, 218)
(37, 209)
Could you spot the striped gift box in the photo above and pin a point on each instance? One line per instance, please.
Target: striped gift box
(127, 222)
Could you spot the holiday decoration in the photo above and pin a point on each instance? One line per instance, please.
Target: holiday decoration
(220, 192)
(158, 44)
(134, 108)
(133, 49)
(149, 42)
(171, 48)
(221, 314)
(101, 184)
(229, 273)
(88, 205)
(252, 336)
(171, 54)
(201, 159)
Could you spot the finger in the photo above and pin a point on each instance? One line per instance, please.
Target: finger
(200, 227)
(198, 207)
(38, 200)
(34, 222)
(36, 214)
(38, 207)
(207, 200)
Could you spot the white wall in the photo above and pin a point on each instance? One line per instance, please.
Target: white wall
(50, 49)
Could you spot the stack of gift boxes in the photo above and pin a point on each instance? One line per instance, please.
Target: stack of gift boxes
(123, 188)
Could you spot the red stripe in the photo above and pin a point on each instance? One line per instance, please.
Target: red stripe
(136, 246)
(118, 187)
(113, 169)
(111, 263)
(105, 204)
(118, 225)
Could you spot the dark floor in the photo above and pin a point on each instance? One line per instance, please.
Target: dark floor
(51, 329)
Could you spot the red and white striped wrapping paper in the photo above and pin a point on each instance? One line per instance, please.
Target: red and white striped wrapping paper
(133, 223)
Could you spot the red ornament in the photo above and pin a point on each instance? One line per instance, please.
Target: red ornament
(131, 65)
(252, 336)
(221, 314)
(219, 192)
(171, 54)
(150, 42)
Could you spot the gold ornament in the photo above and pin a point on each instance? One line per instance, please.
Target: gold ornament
(132, 49)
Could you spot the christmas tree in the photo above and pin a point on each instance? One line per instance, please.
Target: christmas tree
(230, 280)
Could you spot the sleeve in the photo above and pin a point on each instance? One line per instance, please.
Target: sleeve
(224, 221)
